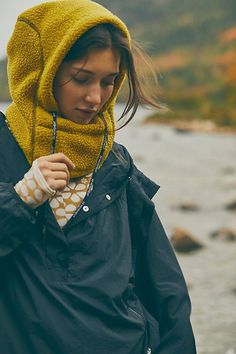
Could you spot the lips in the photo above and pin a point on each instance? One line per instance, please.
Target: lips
(86, 111)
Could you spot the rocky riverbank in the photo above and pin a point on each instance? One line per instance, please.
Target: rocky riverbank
(197, 175)
(191, 126)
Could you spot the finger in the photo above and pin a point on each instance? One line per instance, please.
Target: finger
(60, 157)
(47, 168)
(57, 184)
(59, 175)
(60, 168)
(57, 166)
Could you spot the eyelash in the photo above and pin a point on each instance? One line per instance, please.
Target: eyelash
(83, 82)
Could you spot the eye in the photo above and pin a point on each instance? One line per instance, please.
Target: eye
(108, 83)
(80, 81)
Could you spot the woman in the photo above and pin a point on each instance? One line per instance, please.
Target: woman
(85, 265)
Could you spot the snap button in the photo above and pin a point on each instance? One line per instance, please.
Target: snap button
(33, 220)
(85, 208)
(108, 197)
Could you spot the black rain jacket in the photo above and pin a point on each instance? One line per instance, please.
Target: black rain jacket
(106, 283)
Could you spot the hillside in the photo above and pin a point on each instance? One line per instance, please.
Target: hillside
(4, 92)
(193, 46)
(168, 24)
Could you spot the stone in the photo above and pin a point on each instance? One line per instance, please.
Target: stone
(193, 126)
(224, 234)
(187, 206)
(231, 206)
(234, 291)
(184, 242)
(228, 170)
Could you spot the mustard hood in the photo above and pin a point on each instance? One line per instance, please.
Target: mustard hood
(41, 38)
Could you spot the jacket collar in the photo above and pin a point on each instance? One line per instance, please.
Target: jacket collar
(12, 157)
(117, 168)
(117, 171)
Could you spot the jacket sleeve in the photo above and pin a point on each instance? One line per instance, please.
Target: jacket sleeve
(159, 281)
(166, 294)
(16, 219)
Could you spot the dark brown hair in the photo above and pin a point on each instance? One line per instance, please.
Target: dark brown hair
(108, 36)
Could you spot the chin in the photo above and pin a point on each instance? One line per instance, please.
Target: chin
(74, 118)
(80, 120)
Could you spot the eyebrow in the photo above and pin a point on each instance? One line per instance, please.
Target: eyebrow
(92, 73)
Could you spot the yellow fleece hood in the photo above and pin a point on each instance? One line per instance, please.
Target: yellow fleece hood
(41, 38)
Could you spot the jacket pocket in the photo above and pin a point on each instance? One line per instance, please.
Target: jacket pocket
(150, 324)
(136, 313)
(140, 316)
(152, 333)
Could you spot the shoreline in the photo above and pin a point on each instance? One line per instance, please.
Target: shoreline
(192, 126)
(179, 125)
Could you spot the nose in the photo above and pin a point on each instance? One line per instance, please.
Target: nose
(94, 96)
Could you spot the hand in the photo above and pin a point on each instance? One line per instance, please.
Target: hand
(55, 170)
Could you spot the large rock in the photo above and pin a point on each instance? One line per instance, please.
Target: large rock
(184, 242)
(228, 170)
(234, 291)
(224, 234)
(187, 206)
(231, 206)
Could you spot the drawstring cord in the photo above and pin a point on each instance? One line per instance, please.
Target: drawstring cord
(91, 184)
(54, 129)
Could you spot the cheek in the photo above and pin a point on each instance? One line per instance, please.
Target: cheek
(66, 93)
(60, 93)
(108, 93)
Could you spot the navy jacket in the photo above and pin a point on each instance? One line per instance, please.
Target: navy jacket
(107, 283)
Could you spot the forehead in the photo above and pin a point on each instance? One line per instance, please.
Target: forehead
(107, 60)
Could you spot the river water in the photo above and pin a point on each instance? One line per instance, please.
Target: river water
(200, 168)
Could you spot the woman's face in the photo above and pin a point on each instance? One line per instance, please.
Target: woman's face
(82, 87)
